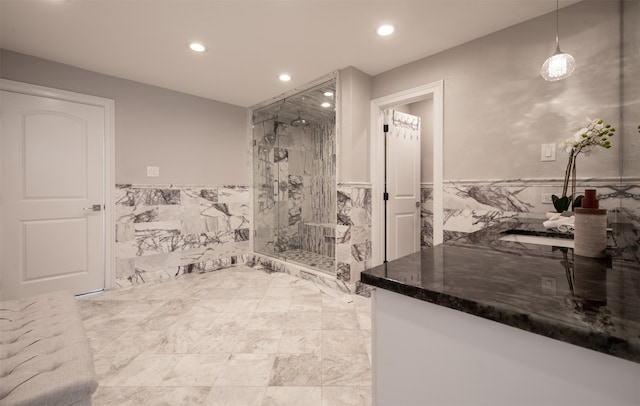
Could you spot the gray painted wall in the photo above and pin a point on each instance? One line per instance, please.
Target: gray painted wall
(192, 139)
(631, 88)
(353, 138)
(498, 110)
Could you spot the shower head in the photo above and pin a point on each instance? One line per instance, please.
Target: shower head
(300, 122)
(270, 139)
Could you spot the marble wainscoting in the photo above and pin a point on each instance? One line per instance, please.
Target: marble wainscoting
(470, 206)
(163, 231)
(629, 195)
(426, 215)
(353, 233)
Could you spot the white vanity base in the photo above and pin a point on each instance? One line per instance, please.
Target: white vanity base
(425, 354)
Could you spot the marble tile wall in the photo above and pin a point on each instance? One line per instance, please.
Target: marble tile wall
(426, 215)
(318, 238)
(473, 205)
(166, 230)
(353, 232)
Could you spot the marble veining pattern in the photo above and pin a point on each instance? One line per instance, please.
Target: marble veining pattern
(470, 206)
(233, 337)
(164, 231)
(426, 216)
(353, 231)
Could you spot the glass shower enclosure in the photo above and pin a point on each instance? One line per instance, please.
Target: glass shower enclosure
(294, 178)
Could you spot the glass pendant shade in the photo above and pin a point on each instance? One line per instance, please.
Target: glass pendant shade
(558, 66)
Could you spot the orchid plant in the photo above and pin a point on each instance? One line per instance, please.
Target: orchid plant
(594, 134)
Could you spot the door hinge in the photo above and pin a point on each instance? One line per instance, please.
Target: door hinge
(385, 196)
(385, 128)
(255, 143)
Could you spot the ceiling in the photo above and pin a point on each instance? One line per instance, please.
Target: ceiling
(250, 42)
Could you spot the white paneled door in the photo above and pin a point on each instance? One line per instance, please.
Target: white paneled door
(53, 196)
(403, 184)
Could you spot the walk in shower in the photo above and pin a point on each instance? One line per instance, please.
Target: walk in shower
(294, 178)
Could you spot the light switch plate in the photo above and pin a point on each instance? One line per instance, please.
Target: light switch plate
(548, 152)
(549, 285)
(153, 171)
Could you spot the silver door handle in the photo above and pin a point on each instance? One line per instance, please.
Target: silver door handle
(95, 207)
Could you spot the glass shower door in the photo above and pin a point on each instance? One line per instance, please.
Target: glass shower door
(265, 183)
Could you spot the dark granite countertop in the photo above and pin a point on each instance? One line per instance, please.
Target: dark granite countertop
(593, 303)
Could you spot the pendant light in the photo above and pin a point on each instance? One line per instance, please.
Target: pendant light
(560, 65)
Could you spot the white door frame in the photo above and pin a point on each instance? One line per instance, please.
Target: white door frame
(109, 150)
(378, 105)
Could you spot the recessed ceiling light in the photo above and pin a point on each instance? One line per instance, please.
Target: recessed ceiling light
(285, 77)
(326, 105)
(328, 94)
(197, 47)
(385, 29)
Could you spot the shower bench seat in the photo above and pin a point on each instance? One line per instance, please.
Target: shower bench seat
(45, 357)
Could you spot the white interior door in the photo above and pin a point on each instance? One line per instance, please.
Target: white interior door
(53, 200)
(403, 184)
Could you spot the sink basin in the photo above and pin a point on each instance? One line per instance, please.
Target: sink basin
(540, 240)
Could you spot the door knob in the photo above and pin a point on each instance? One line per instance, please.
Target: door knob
(95, 207)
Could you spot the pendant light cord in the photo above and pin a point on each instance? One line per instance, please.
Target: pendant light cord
(557, 29)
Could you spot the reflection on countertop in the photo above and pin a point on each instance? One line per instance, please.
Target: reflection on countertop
(593, 303)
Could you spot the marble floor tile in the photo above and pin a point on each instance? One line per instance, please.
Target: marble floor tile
(132, 342)
(304, 320)
(212, 305)
(346, 370)
(99, 339)
(292, 396)
(125, 320)
(175, 341)
(268, 321)
(237, 336)
(310, 302)
(246, 370)
(269, 304)
(300, 342)
(278, 292)
(144, 370)
(195, 370)
(235, 396)
(346, 396)
(339, 320)
(230, 322)
(343, 342)
(194, 320)
(364, 321)
(258, 342)
(337, 303)
(110, 364)
(149, 396)
(297, 370)
(243, 305)
(215, 342)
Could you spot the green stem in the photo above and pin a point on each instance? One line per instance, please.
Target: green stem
(567, 173)
(573, 183)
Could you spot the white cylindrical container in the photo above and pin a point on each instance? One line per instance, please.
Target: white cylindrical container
(590, 235)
